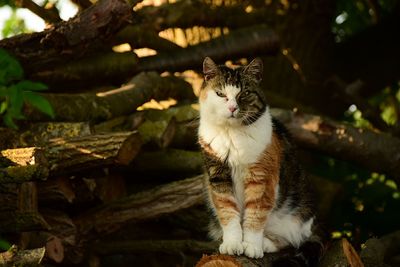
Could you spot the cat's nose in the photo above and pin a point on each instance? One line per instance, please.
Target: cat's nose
(232, 108)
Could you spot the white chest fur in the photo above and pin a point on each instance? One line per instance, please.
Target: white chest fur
(240, 144)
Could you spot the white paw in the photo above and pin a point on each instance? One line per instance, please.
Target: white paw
(269, 246)
(231, 247)
(251, 250)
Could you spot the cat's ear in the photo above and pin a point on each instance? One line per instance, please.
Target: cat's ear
(254, 69)
(210, 69)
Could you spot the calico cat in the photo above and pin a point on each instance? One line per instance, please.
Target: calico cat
(257, 191)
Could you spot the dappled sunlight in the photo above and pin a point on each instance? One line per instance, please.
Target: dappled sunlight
(122, 48)
(160, 105)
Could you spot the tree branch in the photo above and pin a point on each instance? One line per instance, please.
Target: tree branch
(50, 15)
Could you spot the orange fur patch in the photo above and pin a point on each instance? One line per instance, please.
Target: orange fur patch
(260, 186)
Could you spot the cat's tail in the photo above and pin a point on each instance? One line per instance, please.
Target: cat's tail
(307, 255)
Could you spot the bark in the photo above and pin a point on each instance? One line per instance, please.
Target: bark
(50, 15)
(117, 67)
(86, 152)
(38, 134)
(145, 205)
(139, 36)
(16, 257)
(340, 254)
(174, 15)
(70, 40)
(23, 164)
(69, 155)
(244, 42)
(382, 252)
(169, 161)
(375, 151)
(168, 246)
(18, 209)
(122, 101)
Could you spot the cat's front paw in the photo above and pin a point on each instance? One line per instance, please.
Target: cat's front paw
(231, 247)
(252, 250)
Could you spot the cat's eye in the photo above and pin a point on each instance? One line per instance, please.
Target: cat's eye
(220, 94)
(246, 93)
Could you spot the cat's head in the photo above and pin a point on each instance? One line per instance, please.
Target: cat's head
(232, 96)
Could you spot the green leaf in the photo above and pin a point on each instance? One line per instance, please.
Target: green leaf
(3, 91)
(8, 120)
(30, 86)
(16, 101)
(4, 245)
(3, 107)
(10, 69)
(39, 102)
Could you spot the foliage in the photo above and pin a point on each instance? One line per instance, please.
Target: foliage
(13, 25)
(355, 16)
(4, 245)
(14, 91)
(365, 202)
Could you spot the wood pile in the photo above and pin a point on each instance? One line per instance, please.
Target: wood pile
(106, 184)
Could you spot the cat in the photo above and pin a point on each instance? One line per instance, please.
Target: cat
(256, 189)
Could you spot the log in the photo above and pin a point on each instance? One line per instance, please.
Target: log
(341, 253)
(39, 133)
(122, 101)
(68, 155)
(382, 252)
(139, 36)
(16, 257)
(245, 42)
(163, 246)
(174, 15)
(70, 40)
(168, 161)
(117, 67)
(76, 154)
(144, 205)
(23, 164)
(375, 151)
(19, 208)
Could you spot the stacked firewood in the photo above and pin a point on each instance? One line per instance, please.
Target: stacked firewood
(105, 183)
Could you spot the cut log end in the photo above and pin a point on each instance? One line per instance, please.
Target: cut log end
(55, 249)
(218, 261)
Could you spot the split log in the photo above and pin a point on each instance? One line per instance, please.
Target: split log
(145, 205)
(16, 257)
(69, 40)
(122, 101)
